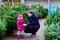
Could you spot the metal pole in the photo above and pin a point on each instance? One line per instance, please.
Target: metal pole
(49, 4)
(12, 2)
(22, 1)
(0, 2)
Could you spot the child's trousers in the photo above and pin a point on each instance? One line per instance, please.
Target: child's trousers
(20, 32)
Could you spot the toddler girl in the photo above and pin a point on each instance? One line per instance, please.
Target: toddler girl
(20, 27)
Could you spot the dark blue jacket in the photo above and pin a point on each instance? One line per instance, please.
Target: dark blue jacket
(33, 23)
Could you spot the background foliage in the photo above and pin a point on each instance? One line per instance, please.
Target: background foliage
(40, 11)
(2, 28)
(8, 15)
(52, 27)
(10, 12)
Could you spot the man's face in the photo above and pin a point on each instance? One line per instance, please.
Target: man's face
(29, 14)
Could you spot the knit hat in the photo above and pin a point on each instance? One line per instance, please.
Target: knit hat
(19, 15)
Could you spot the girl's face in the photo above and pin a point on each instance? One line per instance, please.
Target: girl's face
(29, 14)
(21, 17)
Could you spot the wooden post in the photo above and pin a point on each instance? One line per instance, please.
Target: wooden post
(12, 2)
(8, 0)
(17, 0)
(35, 0)
(2, 0)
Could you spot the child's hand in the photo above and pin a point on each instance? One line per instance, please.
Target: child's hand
(25, 24)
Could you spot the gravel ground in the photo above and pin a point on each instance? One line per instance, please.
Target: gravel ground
(40, 33)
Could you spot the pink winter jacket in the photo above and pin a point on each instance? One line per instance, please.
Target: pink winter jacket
(19, 24)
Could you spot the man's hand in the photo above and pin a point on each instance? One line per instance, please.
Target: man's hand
(25, 24)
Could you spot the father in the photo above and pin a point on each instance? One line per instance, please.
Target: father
(33, 25)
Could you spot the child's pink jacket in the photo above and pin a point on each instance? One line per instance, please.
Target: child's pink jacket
(19, 23)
